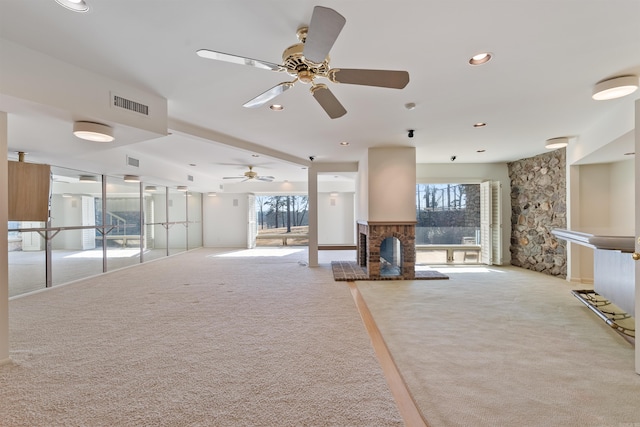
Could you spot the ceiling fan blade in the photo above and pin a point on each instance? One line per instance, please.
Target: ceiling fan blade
(267, 96)
(324, 28)
(232, 177)
(381, 78)
(328, 101)
(219, 56)
(265, 178)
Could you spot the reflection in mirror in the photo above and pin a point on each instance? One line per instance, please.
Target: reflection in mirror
(123, 217)
(177, 213)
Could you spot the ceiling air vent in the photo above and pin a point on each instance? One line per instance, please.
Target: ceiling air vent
(190, 178)
(129, 105)
(133, 162)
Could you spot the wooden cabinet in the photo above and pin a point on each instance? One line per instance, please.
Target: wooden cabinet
(29, 191)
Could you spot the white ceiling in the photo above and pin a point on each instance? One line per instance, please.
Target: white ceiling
(548, 54)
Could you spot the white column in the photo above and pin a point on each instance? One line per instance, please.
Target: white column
(312, 191)
(4, 260)
(637, 201)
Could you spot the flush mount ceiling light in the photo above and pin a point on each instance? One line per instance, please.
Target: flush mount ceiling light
(87, 178)
(615, 88)
(182, 188)
(481, 58)
(75, 5)
(92, 131)
(554, 143)
(131, 178)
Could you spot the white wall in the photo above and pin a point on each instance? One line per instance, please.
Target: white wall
(336, 219)
(474, 173)
(225, 221)
(606, 206)
(622, 196)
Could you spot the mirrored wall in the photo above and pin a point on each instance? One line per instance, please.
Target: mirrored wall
(99, 224)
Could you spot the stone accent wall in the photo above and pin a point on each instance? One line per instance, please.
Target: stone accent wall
(370, 237)
(538, 205)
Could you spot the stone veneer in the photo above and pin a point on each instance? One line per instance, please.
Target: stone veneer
(538, 205)
(370, 237)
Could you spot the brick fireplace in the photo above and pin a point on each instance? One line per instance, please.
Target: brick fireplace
(387, 250)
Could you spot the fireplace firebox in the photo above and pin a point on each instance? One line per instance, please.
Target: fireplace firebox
(387, 250)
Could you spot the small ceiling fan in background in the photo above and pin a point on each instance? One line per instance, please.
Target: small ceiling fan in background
(250, 174)
(309, 60)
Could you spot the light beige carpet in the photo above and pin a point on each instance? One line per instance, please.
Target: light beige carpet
(505, 348)
(199, 339)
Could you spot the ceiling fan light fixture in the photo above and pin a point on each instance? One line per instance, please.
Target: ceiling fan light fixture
(131, 178)
(616, 87)
(74, 5)
(480, 58)
(555, 143)
(92, 131)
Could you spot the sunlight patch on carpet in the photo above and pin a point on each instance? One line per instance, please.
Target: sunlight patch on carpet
(259, 252)
(461, 269)
(111, 253)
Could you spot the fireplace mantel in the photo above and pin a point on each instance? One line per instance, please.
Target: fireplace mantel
(387, 222)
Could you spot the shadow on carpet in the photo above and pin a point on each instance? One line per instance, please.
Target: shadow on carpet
(350, 270)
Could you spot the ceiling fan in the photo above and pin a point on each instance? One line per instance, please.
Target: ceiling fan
(250, 174)
(309, 60)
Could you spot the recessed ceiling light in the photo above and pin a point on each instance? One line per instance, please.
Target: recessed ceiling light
(632, 153)
(480, 151)
(554, 143)
(479, 125)
(410, 105)
(344, 143)
(212, 194)
(75, 5)
(151, 188)
(481, 58)
(615, 88)
(93, 131)
(277, 107)
(255, 155)
(131, 178)
(192, 164)
(182, 188)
